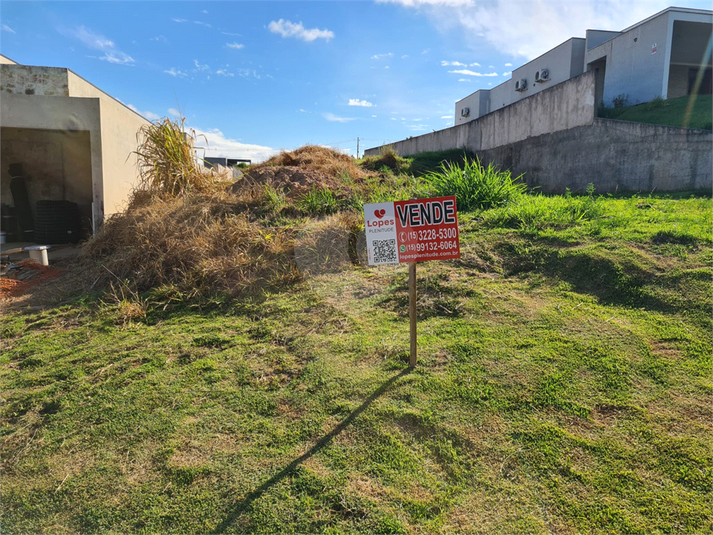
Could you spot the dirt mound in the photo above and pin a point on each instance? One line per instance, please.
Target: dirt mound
(296, 181)
(322, 159)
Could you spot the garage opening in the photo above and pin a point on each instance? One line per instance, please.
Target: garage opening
(45, 185)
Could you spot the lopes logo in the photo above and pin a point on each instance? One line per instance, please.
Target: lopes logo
(384, 223)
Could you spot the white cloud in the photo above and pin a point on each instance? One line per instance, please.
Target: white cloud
(174, 112)
(404, 56)
(464, 80)
(285, 28)
(516, 28)
(202, 23)
(205, 12)
(236, 46)
(507, 73)
(174, 72)
(333, 118)
(151, 116)
(223, 72)
(508, 65)
(7, 28)
(382, 56)
(216, 144)
(117, 57)
(358, 102)
(160, 38)
(97, 41)
(179, 20)
(302, 110)
(467, 72)
(231, 33)
(90, 39)
(374, 116)
(200, 67)
(452, 64)
(447, 117)
(475, 64)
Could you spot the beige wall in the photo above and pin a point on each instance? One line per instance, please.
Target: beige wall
(4, 60)
(29, 80)
(119, 126)
(63, 114)
(56, 164)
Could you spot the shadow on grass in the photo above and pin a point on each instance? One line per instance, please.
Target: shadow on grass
(241, 506)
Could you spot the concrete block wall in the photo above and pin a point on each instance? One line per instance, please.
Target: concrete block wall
(612, 155)
(30, 80)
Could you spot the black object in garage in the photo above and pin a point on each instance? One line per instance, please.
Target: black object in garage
(57, 222)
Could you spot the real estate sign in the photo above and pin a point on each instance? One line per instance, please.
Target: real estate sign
(411, 231)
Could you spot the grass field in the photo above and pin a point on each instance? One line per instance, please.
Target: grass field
(563, 385)
(683, 111)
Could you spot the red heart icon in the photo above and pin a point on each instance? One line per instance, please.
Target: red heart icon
(380, 213)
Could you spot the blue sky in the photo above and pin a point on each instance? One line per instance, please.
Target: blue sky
(255, 77)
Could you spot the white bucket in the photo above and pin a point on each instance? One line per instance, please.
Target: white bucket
(38, 253)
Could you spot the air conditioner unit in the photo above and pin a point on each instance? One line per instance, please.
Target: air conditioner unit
(521, 85)
(542, 75)
(465, 112)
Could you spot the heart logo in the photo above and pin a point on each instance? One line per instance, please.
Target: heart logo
(380, 213)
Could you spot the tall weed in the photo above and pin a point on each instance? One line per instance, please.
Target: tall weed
(475, 186)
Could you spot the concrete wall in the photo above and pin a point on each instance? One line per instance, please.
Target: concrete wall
(29, 80)
(612, 155)
(119, 126)
(64, 115)
(57, 165)
(561, 107)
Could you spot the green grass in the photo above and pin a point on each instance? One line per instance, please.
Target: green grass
(688, 112)
(563, 385)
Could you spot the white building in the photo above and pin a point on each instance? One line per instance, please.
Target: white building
(73, 141)
(667, 55)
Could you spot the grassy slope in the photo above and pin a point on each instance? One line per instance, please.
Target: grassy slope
(564, 385)
(673, 112)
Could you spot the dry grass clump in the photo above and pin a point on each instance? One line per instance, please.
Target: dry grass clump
(201, 243)
(322, 159)
(329, 245)
(166, 162)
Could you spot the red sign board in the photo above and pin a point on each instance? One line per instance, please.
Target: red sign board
(412, 231)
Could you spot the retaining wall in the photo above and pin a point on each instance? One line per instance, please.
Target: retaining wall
(612, 155)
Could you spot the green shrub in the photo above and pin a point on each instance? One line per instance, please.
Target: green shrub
(318, 201)
(387, 162)
(475, 186)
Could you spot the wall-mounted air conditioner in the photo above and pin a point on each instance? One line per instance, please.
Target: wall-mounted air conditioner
(465, 112)
(521, 85)
(542, 75)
